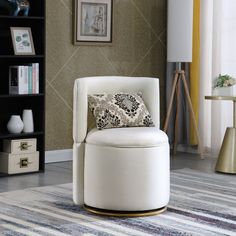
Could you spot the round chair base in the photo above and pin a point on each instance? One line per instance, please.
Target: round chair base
(104, 212)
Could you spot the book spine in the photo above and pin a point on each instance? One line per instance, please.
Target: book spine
(23, 80)
(13, 80)
(21, 83)
(33, 78)
(37, 78)
(26, 80)
(30, 79)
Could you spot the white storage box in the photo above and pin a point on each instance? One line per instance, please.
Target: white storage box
(20, 146)
(19, 163)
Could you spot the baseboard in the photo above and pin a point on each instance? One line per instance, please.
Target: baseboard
(58, 155)
(207, 152)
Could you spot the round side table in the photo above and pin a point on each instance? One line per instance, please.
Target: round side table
(226, 161)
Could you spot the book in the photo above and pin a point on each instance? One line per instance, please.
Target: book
(24, 79)
(30, 90)
(35, 77)
(18, 82)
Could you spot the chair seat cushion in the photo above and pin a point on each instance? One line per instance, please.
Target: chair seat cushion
(127, 137)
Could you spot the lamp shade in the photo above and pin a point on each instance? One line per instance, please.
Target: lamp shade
(179, 30)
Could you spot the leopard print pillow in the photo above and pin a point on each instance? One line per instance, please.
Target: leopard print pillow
(119, 110)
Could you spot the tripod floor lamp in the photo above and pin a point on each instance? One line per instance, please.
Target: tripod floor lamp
(179, 50)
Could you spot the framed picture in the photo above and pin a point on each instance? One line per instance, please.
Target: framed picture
(22, 41)
(92, 22)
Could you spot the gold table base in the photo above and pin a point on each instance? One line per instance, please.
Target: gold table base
(226, 162)
(104, 212)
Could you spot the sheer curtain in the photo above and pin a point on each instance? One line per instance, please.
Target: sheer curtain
(218, 55)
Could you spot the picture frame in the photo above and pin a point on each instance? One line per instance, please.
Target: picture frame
(22, 41)
(93, 22)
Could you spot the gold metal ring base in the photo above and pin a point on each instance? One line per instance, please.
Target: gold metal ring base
(104, 212)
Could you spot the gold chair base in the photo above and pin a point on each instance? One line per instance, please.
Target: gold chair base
(104, 212)
(226, 162)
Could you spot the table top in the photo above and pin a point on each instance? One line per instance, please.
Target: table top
(231, 98)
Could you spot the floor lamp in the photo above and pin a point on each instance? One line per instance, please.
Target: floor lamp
(179, 50)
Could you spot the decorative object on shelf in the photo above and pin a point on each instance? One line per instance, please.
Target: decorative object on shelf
(15, 125)
(28, 121)
(22, 41)
(19, 156)
(224, 85)
(92, 21)
(20, 146)
(19, 163)
(16, 7)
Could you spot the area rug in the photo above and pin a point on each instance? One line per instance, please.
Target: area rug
(200, 204)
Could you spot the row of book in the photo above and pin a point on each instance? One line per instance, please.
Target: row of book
(24, 79)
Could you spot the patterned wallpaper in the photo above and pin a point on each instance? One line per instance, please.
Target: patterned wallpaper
(138, 49)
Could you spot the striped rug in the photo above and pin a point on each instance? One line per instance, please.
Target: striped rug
(201, 204)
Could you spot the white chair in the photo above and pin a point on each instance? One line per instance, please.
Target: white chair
(120, 171)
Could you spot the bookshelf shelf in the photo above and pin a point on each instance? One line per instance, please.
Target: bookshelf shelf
(26, 18)
(14, 104)
(20, 56)
(21, 135)
(21, 95)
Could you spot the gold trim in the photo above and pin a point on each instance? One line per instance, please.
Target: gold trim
(104, 212)
(231, 98)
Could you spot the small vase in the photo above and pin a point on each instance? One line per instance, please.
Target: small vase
(28, 121)
(15, 125)
(225, 91)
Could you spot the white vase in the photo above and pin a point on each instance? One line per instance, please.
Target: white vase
(225, 91)
(15, 125)
(28, 121)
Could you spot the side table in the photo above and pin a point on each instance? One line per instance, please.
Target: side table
(226, 162)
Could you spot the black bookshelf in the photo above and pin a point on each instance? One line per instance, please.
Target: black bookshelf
(11, 104)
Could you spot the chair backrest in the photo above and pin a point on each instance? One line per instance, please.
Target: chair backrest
(111, 84)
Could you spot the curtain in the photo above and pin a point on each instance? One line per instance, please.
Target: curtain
(195, 69)
(218, 55)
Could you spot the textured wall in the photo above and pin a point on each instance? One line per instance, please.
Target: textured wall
(138, 49)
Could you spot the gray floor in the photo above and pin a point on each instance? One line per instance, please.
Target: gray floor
(55, 173)
(61, 173)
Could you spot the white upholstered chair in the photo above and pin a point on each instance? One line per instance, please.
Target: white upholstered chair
(121, 170)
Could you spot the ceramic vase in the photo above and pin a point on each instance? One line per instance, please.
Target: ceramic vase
(28, 121)
(15, 125)
(225, 91)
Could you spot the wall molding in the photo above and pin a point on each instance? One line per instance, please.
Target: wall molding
(58, 155)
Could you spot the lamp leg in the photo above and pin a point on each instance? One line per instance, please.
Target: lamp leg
(192, 113)
(177, 117)
(176, 76)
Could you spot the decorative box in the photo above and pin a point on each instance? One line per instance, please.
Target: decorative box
(19, 146)
(19, 163)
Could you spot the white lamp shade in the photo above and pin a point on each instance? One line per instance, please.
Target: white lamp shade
(179, 30)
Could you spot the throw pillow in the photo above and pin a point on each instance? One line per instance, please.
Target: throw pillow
(119, 110)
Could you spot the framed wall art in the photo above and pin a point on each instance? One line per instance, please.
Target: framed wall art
(92, 22)
(22, 41)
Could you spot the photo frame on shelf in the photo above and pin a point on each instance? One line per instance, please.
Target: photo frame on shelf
(93, 22)
(22, 41)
